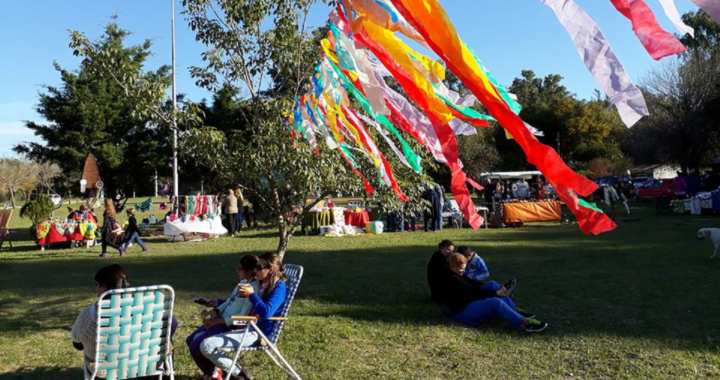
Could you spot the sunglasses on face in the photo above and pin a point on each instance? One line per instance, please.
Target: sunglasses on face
(260, 267)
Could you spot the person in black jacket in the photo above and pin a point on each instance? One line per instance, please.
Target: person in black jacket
(109, 237)
(470, 303)
(438, 270)
(132, 235)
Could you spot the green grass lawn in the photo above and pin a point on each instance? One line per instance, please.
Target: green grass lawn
(639, 302)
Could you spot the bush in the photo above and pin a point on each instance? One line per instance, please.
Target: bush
(37, 210)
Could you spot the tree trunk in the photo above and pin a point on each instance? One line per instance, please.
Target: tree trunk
(283, 243)
(12, 197)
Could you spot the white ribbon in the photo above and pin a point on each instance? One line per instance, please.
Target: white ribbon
(674, 16)
(599, 58)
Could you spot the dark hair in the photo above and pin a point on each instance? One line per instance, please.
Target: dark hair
(112, 277)
(445, 243)
(464, 250)
(248, 262)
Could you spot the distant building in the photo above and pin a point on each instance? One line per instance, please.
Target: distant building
(658, 171)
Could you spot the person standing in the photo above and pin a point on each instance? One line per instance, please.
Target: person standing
(240, 217)
(230, 209)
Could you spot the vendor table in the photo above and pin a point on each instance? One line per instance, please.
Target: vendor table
(66, 232)
(359, 218)
(211, 226)
(313, 220)
(532, 212)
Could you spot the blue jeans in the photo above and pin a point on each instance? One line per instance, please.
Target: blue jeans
(239, 219)
(212, 348)
(477, 311)
(194, 341)
(134, 238)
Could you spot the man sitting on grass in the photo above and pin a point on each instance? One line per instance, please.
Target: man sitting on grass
(477, 271)
(438, 270)
(471, 304)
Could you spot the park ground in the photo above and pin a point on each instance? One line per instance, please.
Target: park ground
(641, 302)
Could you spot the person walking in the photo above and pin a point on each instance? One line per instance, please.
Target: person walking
(132, 234)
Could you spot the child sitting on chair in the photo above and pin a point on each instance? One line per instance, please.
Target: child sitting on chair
(477, 271)
(219, 319)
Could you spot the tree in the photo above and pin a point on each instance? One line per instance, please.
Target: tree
(265, 51)
(37, 210)
(581, 130)
(90, 113)
(682, 97)
(14, 173)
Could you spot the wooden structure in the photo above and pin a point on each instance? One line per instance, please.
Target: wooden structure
(91, 173)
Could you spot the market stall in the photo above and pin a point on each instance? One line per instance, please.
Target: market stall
(54, 232)
(516, 212)
(317, 218)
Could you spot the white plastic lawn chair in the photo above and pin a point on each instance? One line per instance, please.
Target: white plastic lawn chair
(269, 344)
(133, 334)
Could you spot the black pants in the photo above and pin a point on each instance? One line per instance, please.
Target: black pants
(230, 220)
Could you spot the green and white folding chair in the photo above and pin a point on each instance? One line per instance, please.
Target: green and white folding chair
(133, 333)
(269, 344)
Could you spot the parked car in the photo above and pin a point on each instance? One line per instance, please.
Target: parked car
(638, 182)
(653, 189)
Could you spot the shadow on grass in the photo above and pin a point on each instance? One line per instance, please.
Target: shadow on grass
(637, 282)
(58, 373)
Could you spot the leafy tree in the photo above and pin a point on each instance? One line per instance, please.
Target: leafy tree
(15, 173)
(264, 51)
(89, 113)
(580, 130)
(683, 97)
(37, 210)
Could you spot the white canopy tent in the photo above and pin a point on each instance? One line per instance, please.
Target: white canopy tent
(511, 175)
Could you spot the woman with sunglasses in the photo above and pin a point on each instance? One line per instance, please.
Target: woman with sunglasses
(219, 320)
(266, 302)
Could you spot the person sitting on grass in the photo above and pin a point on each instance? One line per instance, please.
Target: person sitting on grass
(476, 270)
(438, 270)
(84, 331)
(472, 304)
(218, 320)
(132, 234)
(266, 304)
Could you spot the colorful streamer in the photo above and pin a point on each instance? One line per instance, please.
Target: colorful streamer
(656, 41)
(428, 15)
(599, 58)
(672, 13)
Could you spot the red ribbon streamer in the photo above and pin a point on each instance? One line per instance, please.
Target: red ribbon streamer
(656, 41)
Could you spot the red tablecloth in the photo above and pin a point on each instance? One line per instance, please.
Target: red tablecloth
(358, 219)
(56, 237)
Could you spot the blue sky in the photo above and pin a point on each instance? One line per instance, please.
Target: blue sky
(508, 35)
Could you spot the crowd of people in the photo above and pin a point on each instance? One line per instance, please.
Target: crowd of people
(505, 190)
(459, 280)
(261, 292)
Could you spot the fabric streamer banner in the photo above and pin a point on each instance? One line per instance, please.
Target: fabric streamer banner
(656, 41)
(599, 58)
(711, 7)
(672, 13)
(431, 21)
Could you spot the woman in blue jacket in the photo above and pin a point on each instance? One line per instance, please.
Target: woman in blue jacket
(266, 303)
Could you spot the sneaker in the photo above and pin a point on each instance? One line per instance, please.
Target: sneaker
(103, 255)
(217, 374)
(510, 286)
(121, 250)
(524, 313)
(535, 326)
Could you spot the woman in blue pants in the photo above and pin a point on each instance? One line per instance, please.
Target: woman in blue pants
(471, 303)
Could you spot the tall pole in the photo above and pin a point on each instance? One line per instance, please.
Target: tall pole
(174, 121)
